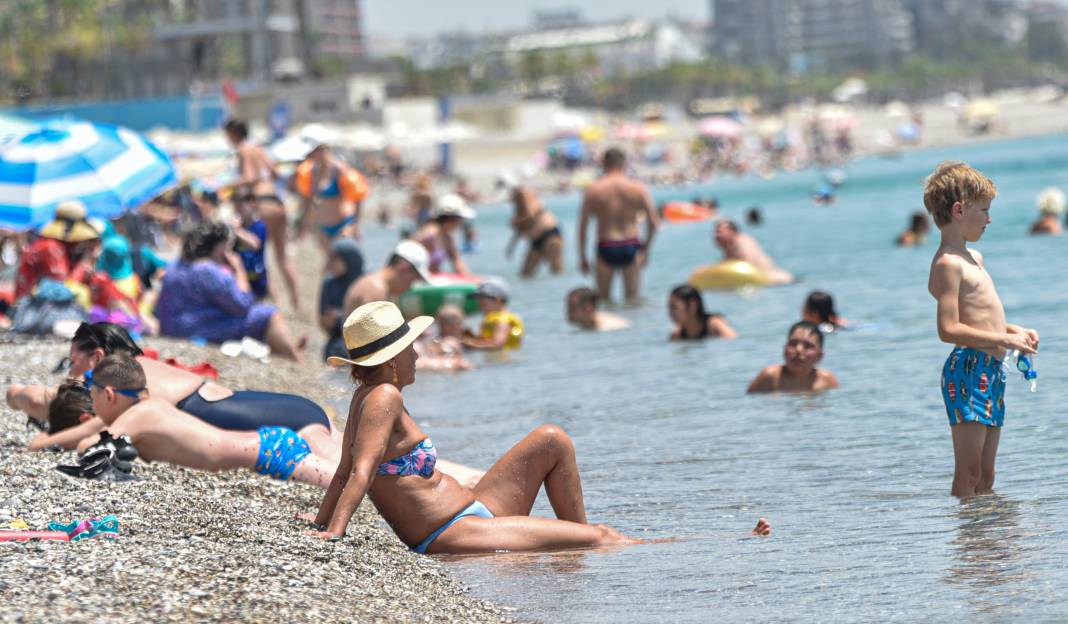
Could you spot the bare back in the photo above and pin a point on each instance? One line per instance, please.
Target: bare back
(617, 202)
(370, 287)
(256, 167)
(174, 384)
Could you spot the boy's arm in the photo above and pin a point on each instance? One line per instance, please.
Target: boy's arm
(946, 276)
(496, 341)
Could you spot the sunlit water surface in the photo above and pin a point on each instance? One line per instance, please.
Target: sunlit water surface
(855, 481)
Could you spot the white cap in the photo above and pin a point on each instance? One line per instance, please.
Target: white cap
(417, 256)
(452, 205)
(507, 180)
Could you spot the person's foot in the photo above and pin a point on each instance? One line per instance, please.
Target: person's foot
(763, 528)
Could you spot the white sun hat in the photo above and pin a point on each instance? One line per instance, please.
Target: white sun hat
(452, 205)
(376, 332)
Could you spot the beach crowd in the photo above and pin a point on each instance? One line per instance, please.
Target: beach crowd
(385, 318)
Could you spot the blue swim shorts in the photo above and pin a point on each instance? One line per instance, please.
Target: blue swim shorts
(973, 388)
(281, 449)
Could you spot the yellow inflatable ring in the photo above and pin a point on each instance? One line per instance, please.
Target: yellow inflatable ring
(727, 274)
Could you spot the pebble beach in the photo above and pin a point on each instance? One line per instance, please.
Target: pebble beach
(199, 546)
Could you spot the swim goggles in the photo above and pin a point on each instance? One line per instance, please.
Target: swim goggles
(133, 393)
(1026, 366)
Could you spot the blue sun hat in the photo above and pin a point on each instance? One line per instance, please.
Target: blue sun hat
(115, 258)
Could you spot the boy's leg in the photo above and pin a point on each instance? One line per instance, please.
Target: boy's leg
(968, 441)
(990, 451)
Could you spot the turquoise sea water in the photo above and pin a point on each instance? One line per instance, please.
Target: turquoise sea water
(855, 482)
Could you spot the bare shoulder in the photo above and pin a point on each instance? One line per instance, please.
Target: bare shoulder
(383, 396)
(766, 380)
(946, 271)
(825, 380)
(977, 256)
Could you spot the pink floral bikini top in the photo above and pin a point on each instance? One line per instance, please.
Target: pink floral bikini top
(418, 461)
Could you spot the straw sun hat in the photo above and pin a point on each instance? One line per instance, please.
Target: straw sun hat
(376, 332)
(71, 224)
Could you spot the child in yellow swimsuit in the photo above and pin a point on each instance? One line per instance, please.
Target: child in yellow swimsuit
(500, 329)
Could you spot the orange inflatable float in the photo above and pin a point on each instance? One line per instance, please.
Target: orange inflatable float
(351, 183)
(685, 212)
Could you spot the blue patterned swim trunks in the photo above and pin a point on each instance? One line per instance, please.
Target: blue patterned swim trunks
(973, 388)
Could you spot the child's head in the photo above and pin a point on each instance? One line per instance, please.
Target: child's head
(71, 406)
(685, 304)
(956, 193)
(244, 201)
(582, 307)
(492, 295)
(804, 348)
(819, 308)
(450, 320)
(116, 383)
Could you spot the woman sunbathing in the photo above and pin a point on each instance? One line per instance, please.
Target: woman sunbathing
(216, 405)
(122, 401)
(392, 461)
(187, 393)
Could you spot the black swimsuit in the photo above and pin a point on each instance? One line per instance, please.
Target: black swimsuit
(248, 410)
(704, 329)
(537, 243)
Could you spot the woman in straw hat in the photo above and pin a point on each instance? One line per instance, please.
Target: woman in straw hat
(393, 462)
(1050, 203)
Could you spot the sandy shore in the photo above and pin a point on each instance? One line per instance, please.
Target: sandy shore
(200, 546)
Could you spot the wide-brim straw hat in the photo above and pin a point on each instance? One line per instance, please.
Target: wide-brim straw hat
(71, 225)
(376, 333)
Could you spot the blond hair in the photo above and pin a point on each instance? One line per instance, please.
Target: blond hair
(954, 181)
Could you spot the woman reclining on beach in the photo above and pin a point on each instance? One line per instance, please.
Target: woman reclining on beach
(119, 396)
(392, 461)
(217, 405)
(212, 403)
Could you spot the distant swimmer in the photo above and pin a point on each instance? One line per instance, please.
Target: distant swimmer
(819, 310)
(687, 310)
(617, 203)
(537, 224)
(1050, 208)
(798, 372)
(738, 246)
(582, 312)
(444, 352)
(823, 195)
(916, 234)
(753, 216)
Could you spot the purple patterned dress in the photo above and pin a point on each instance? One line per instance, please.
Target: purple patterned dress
(200, 299)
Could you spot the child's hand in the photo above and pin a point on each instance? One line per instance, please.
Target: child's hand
(1020, 342)
(1033, 335)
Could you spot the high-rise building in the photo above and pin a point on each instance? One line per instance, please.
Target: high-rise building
(805, 35)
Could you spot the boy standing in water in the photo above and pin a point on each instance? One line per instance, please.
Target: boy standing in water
(970, 317)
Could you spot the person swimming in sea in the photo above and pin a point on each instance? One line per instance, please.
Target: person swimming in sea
(818, 309)
(798, 372)
(687, 311)
(582, 312)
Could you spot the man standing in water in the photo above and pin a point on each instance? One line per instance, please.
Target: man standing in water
(617, 203)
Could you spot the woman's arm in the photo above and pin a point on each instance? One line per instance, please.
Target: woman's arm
(230, 292)
(34, 400)
(718, 326)
(379, 413)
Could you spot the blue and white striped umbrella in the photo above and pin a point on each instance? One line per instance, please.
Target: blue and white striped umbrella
(108, 168)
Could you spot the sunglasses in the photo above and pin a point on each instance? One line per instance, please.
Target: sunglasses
(133, 393)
